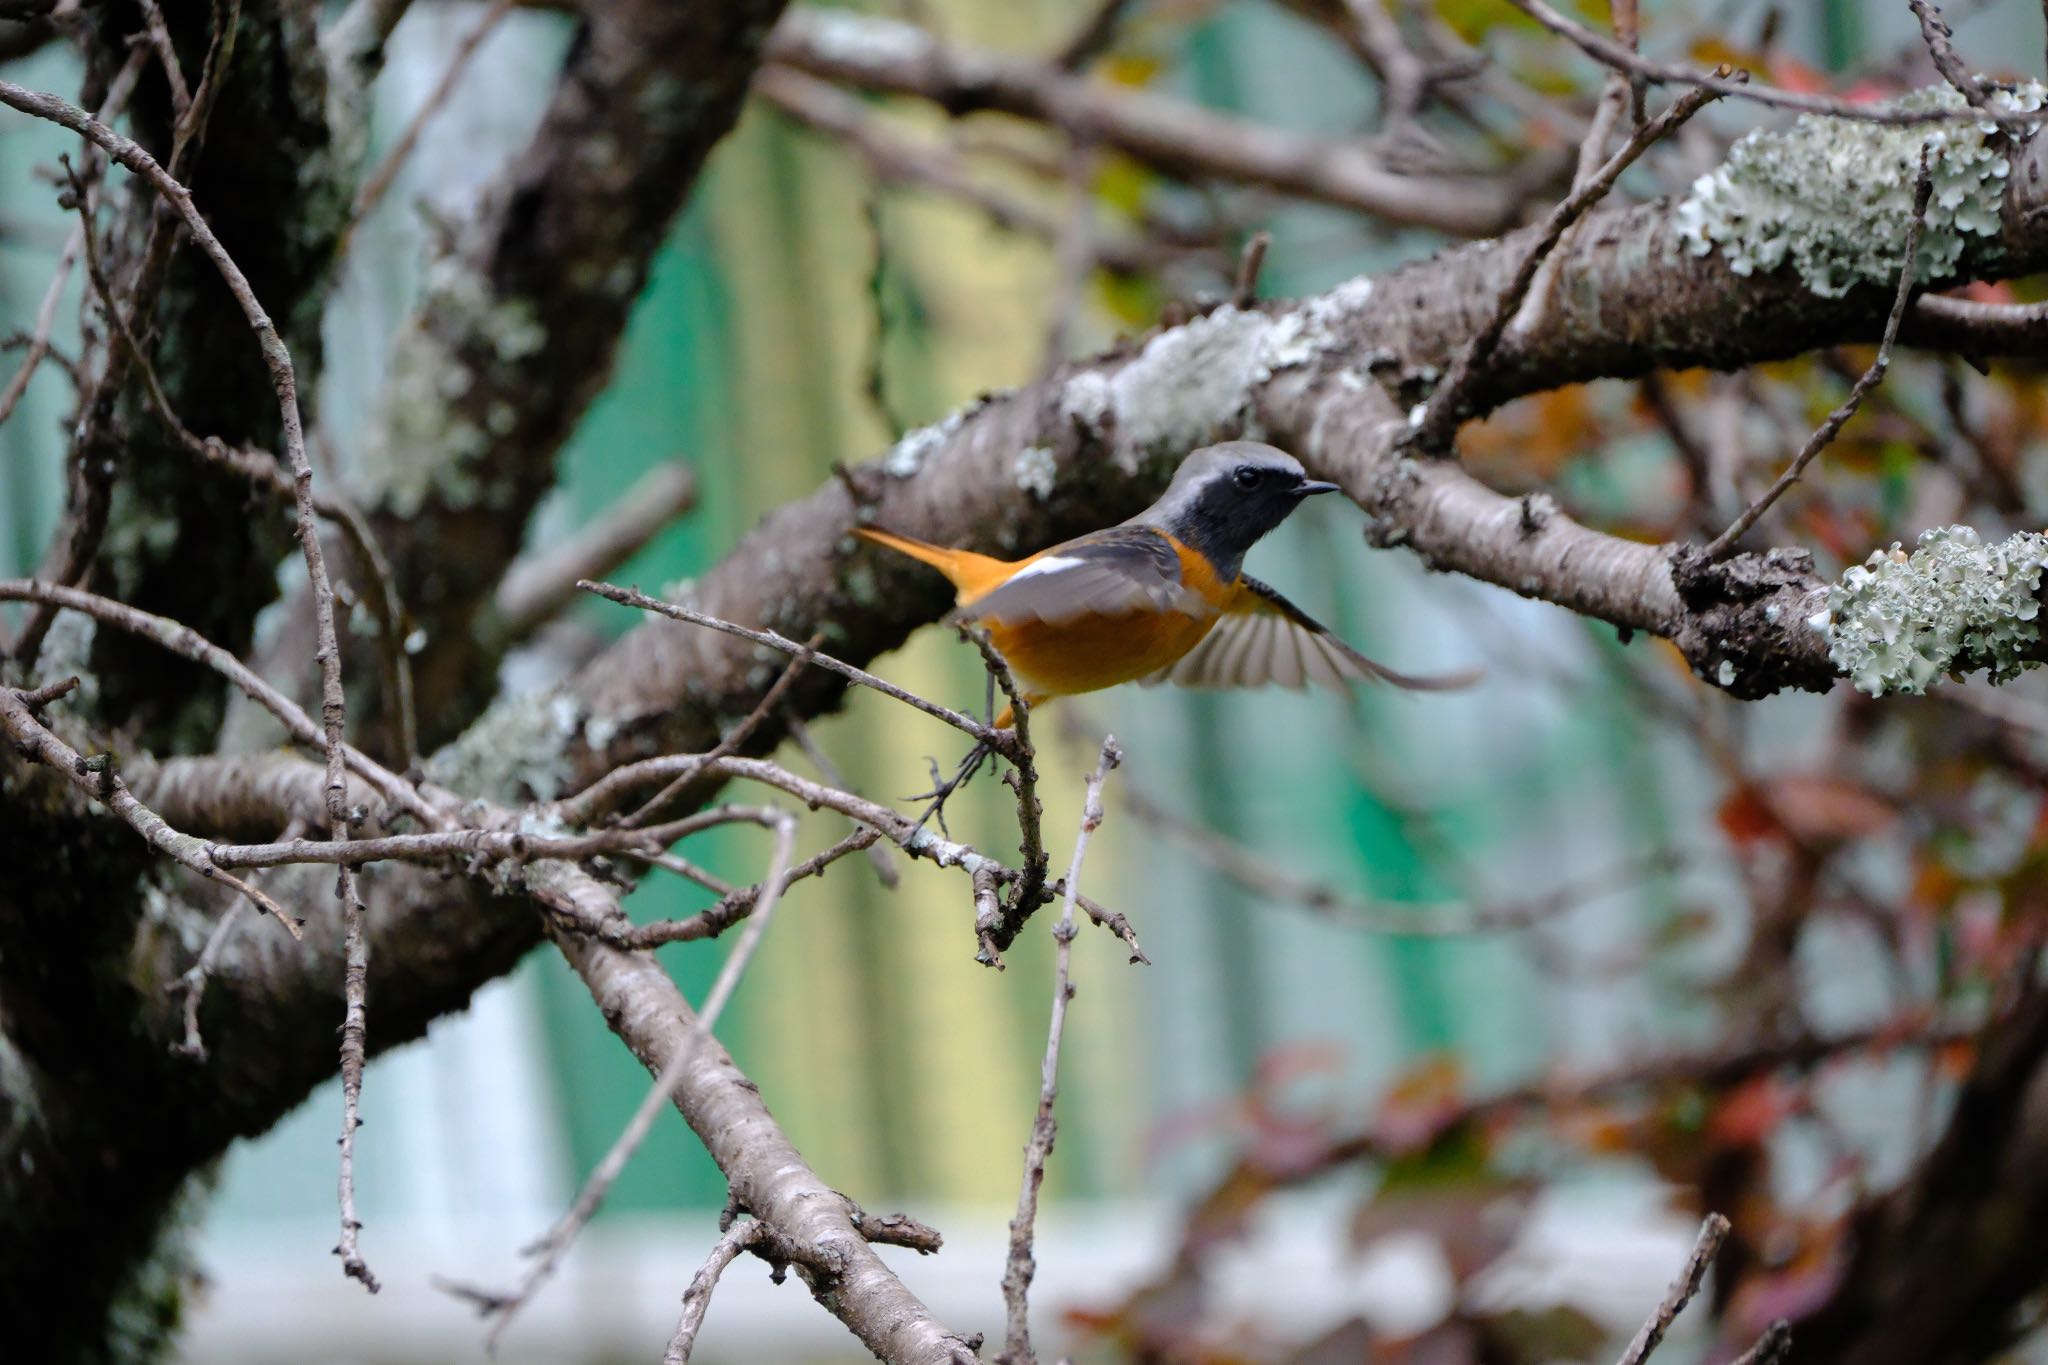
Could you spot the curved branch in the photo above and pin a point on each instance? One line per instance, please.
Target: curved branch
(1184, 139)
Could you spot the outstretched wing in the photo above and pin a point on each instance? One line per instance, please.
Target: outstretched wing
(1264, 638)
(1109, 573)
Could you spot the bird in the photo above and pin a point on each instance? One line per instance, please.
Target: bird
(1162, 597)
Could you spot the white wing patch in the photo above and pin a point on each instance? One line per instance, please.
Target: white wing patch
(1051, 564)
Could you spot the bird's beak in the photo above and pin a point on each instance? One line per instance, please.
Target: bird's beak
(1310, 487)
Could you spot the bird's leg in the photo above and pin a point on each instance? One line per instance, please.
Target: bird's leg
(969, 766)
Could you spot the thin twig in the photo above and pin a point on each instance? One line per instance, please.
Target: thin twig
(1825, 434)
(735, 737)
(1093, 36)
(1020, 1266)
(1245, 292)
(1712, 1232)
(118, 92)
(98, 780)
(1433, 430)
(167, 54)
(734, 905)
(879, 856)
(191, 983)
(36, 698)
(550, 1248)
(355, 1025)
(1940, 41)
(508, 844)
(187, 643)
(1029, 892)
(1609, 53)
(264, 471)
(537, 587)
(739, 1237)
(1772, 1348)
(379, 180)
(998, 740)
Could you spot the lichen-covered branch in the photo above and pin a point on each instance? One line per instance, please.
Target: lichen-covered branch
(1334, 378)
(517, 332)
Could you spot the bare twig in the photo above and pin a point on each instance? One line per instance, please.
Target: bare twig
(118, 93)
(551, 1247)
(1772, 1348)
(191, 983)
(739, 1237)
(535, 588)
(1029, 892)
(1826, 432)
(378, 181)
(99, 781)
(734, 905)
(264, 471)
(506, 844)
(1433, 430)
(998, 740)
(36, 698)
(1020, 1266)
(1093, 36)
(334, 703)
(1245, 292)
(879, 856)
(174, 74)
(355, 1024)
(898, 159)
(1612, 54)
(735, 737)
(1940, 41)
(1180, 138)
(187, 643)
(1712, 1232)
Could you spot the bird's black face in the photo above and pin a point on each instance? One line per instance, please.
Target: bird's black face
(1248, 493)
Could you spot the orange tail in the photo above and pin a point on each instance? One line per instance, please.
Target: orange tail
(971, 574)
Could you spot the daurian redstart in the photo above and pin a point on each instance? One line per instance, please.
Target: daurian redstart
(1162, 597)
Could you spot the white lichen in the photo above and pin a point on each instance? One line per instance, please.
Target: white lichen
(1036, 471)
(908, 455)
(515, 752)
(1304, 335)
(1190, 385)
(1087, 401)
(1833, 198)
(1898, 621)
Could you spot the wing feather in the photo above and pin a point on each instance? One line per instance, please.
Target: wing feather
(1110, 573)
(1266, 638)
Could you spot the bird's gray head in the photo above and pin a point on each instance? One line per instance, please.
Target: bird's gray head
(1224, 497)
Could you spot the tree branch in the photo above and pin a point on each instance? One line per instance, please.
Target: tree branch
(1182, 139)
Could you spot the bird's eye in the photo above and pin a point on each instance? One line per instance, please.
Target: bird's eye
(1246, 476)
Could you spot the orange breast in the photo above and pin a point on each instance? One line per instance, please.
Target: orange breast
(1097, 651)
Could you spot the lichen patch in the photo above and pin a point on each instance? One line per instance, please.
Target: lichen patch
(1898, 621)
(1831, 198)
